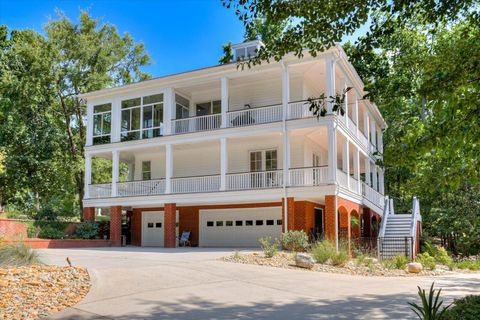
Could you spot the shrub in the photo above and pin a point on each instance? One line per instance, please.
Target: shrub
(87, 230)
(431, 305)
(400, 261)
(340, 258)
(468, 264)
(295, 241)
(18, 255)
(269, 246)
(49, 232)
(438, 253)
(323, 250)
(467, 308)
(426, 260)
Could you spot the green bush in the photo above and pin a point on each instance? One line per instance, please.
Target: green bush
(323, 251)
(49, 232)
(87, 230)
(18, 255)
(295, 241)
(438, 253)
(340, 258)
(467, 308)
(397, 262)
(467, 264)
(431, 308)
(269, 246)
(427, 261)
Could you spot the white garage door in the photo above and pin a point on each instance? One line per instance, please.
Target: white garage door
(152, 228)
(239, 227)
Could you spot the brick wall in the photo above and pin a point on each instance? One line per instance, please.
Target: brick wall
(89, 214)
(10, 229)
(330, 209)
(136, 227)
(169, 222)
(116, 225)
(189, 220)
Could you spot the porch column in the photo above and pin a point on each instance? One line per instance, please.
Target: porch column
(89, 128)
(168, 168)
(367, 172)
(372, 132)
(115, 169)
(88, 175)
(286, 141)
(347, 118)
(366, 126)
(380, 140)
(168, 110)
(330, 218)
(332, 152)
(116, 120)
(374, 177)
(223, 163)
(356, 168)
(381, 187)
(288, 216)
(285, 90)
(170, 225)
(346, 160)
(131, 171)
(116, 225)
(224, 102)
(330, 81)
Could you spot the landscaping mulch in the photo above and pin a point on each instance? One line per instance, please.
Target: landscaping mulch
(37, 291)
(287, 260)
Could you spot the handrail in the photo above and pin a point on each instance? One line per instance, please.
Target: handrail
(386, 211)
(415, 217)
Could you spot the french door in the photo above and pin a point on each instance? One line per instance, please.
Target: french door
(263, 164)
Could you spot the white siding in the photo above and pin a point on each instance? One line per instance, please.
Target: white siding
(196, 161)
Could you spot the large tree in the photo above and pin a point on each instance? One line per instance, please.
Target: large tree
(41, 77)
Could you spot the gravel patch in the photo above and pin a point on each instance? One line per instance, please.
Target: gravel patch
(38, 291)
(286, 260)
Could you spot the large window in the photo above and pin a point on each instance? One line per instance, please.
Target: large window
(210, 107)
(142, 117)
(102, 120)
(182, 107)
(263, 160)
(146, 170)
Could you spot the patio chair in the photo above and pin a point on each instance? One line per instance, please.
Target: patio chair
(184, 239)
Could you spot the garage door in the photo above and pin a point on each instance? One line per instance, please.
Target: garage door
(152, 228)
(239, 227)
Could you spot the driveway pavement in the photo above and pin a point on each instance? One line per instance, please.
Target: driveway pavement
(192, 283)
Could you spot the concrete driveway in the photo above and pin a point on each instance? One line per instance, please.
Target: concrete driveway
(142, 283)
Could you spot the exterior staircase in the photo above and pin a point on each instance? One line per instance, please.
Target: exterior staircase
(398, 233)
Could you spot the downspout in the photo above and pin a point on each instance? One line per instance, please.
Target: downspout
(285, 86)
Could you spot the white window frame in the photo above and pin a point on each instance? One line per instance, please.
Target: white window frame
(187, 108)
(211, 106)
(141, 107)
(263, 159)
(149, 172)
(102, 113)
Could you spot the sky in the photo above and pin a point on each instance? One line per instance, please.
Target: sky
(179, 35)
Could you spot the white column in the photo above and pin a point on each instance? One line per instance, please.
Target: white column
(366, 125)
(89, 128)
(380, 140)
(355, 114)
(381, 186)
(168, 168)
(347, 119)
(346, 160)
(285, 90)
(224, 102)
(332, 152)
(374, 176)
(116, 120)
(115, 169)
(88, 175)
(168, 110)
(286, 139)
(330, 81)
(131, 171)
(372, 131)
(223, 163)
(367, 172)
(356, 168)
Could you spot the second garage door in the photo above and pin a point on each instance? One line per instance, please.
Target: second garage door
(239, 227)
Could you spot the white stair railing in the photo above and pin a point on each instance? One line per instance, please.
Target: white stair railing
(415, 217)
(386, 212)
(254, 116)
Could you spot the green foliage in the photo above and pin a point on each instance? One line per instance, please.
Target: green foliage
(49, 232)
(431, 308)
(87, 230)
(269, 246)
(324, 250)
(467, 308)
(426, 260)
(467, 264)
(340, 258)
(397, 262)
(18, 255)
(295, 241)
(227, 54)
(440, 255)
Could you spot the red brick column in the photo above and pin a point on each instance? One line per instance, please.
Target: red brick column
(345, 223)
(89, 214)
(116, 225)
(169, 222)
(330, 209)
(291, 213)
(136, 227)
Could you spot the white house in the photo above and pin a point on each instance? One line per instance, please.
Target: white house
(233, 155)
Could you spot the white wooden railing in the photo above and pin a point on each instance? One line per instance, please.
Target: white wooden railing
(342, 178)
(299, 109)
(254, 180)
(373, 196)
(195, 124)
(195, 184)
(254, 116)
(101, 190)
(352, 127)
(308, 176)
(354, 185)
(141, 188)
(363, 139)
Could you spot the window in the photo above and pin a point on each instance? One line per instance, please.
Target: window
(219, 223)
(279, 222)
(271, 160)
(264, 160)
(209, 223)
(150, 225)
(102, 120)
(210, 107)
(146, 170)
(229, 223)
(249, 223)
(142, 118)
(182, 106)
(251, 51)
(259, 222)
(239, 223)
(158, 225)
(270, 223)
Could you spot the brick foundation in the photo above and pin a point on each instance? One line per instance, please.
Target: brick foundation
(10, 229)
(116, 225)
(89, 214)
(170, 224)
(330, 216)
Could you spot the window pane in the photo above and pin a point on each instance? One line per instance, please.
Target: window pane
(239, 223)
(153, 98)
(147, 117)
(203, 108)
(146, 165)
(131, 103)
(107, 120)
(219, 223)
(240, 53)
(209, 223)
(97, 124)
(125, 120)
(182, 112)
(135, 119)
(157, 115)
(251, 51)
(102, 108)
(127, 136)
(217, 106)
(259, 222)
(249, 223)
(181, 100)
(229, 223)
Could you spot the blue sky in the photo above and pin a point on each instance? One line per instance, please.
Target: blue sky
(179, 35)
